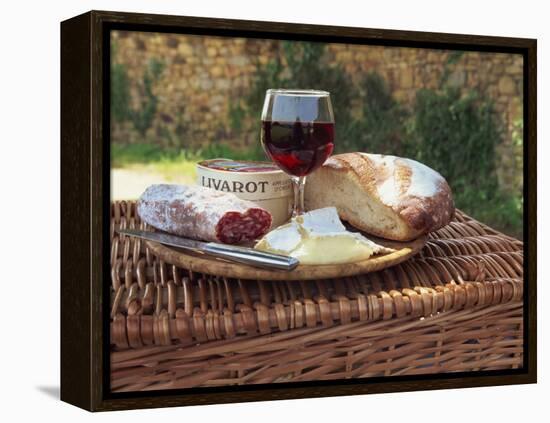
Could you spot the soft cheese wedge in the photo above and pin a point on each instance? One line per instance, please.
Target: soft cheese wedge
(319, 237)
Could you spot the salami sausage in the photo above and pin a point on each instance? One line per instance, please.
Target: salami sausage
(202, 213)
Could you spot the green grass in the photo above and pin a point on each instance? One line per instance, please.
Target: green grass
(148, 158)
(502, 211)
(126, 155)
(131, 154)
(171, 162)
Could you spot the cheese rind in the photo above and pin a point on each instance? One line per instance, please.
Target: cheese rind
(319, 237)
(321, 221)
(282, 240)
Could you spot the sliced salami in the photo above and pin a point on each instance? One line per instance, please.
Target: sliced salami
(202, 213)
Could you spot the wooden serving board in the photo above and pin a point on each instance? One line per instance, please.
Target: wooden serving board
(205, 264)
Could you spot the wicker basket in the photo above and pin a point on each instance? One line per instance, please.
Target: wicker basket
(457, 306)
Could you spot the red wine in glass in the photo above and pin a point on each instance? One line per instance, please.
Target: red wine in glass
(298, 134)
(298, 148)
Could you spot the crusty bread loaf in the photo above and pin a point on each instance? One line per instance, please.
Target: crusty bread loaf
(387, 196)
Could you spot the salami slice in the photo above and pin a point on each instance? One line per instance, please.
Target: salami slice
(202, 213)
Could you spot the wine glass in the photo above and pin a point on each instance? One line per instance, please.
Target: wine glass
(297, 134)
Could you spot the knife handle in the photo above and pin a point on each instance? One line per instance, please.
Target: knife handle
(251, 257)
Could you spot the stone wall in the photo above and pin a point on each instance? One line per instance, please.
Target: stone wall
(203, 76)
(496, 75)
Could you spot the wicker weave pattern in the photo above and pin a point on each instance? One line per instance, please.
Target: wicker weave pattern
(454, 307)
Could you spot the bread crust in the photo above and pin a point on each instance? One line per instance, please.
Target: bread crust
(420, 214)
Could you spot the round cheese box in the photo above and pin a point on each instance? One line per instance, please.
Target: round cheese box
(260, 182)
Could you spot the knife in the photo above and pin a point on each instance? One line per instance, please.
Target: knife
(235, 253)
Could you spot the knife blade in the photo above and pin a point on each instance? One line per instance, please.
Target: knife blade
(235, 253)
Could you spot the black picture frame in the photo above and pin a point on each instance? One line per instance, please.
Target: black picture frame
(85, 211)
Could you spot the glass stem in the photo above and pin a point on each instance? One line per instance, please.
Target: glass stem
(299, 183)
